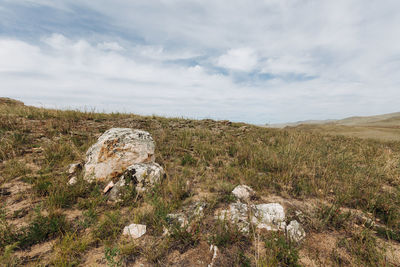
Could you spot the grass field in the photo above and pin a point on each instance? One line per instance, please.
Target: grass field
(347, 190)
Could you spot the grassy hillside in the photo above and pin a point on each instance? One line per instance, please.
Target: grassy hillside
(347, 189)
(381, 127)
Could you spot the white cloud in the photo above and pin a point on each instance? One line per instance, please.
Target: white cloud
(112, 46)
(286, 59)
(241, 59)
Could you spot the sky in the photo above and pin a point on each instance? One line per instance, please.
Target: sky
(265, 61)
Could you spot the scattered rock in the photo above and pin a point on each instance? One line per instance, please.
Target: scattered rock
(115, 150)
(269, 216)
(191, 213)
(179, 218)
(295, 231)
(74, 167)
(142, 175)
(196, 210)
(243, 192)
(238, 214)
(72, 181)
(108, 187)
(135, 230)
(215, 254)
(115, 192)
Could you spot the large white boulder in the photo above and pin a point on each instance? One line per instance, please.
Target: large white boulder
(115, 150)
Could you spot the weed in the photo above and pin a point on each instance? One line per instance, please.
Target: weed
(12, 169)
(187, 159)
(279, 251)
(364, 248)
(109, 227)
(42, 228)
(89, 218)
(332, 217)
(112, 256)
(8, 235)
(69, 249)
(8, 259)
(224, 234)
(59, 154)
(129, 250)
(182, 238)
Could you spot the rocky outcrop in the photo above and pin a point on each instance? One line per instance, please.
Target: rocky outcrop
(270, 216)
(115, 151)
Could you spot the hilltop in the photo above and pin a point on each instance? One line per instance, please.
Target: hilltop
(344, 191)
(384, 127)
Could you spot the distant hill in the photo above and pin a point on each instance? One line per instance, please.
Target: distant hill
(383, 127)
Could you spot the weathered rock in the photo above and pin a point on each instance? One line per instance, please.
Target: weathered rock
(295, 231)
(269, 216)
(238, 213)
(135, 230)
(115, 150)
(74, 167)
(116, 190)
(196, 210)
(264, 216)
(72, 181)
(142, 175)
(243, 192)
(191, 213)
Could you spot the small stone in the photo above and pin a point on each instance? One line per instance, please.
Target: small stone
(115, 192)
(73, 180)
(243, 192)
(215, 254)
(73, 168)
(180, 218)
(135, 230)
(295, 231)
(108, 187)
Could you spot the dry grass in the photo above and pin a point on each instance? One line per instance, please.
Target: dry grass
(201, 158)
